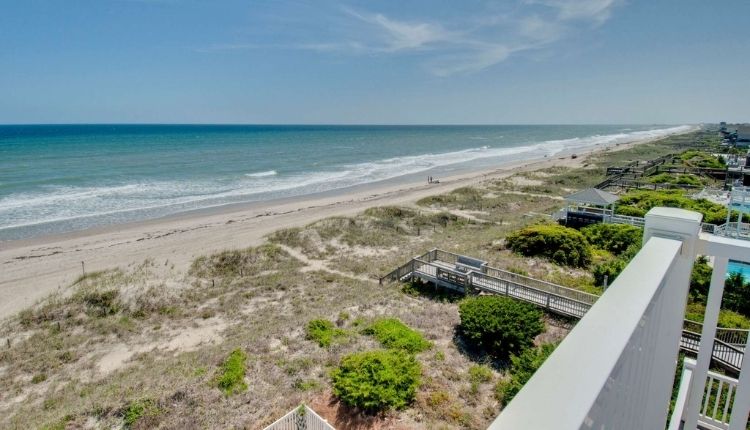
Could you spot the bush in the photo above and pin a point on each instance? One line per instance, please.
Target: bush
(727, 318)
(232, 377)
(522, 368)
(615, 238)
(611, 269)
(377, 380)
(138, 409)
(563, 245)
(324, 332)
(702, 159)
(667, 178)
(244, 262)
(500, 325)
(393, 334)
(638, 202)
(737, 294)
(479, 374)
(700, 279)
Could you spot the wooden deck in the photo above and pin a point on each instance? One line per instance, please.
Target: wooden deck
(440, 268)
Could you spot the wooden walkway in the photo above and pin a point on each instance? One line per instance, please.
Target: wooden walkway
(468, 275)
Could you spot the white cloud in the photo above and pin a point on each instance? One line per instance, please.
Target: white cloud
(465, 45)
(402, 35)
(596, 11)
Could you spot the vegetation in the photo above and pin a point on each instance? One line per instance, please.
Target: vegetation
(562, 245)
(500, 325)
(324, 332)
(608, 270)
(615, 238)
(393, 334)
(377, 380)
(243, 262)
(522, 368)
(138, 410)
(737, 294)
(638, 202)
(697, 158)
(480, 373)
(231, 378)
(700, 279)
(680, 179)
(727, 318)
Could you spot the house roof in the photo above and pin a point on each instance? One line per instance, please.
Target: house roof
(593, 196)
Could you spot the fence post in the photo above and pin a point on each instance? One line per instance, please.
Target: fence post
(683, 225)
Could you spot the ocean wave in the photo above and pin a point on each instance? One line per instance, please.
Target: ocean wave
(157, 198)
(262, 174)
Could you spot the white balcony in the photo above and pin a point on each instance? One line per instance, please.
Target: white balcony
(615, 370)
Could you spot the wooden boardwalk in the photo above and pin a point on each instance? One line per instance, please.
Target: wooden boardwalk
(469, 275)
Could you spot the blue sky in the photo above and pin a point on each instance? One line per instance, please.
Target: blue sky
(321, 61)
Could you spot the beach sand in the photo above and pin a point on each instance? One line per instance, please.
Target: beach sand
(32, 269)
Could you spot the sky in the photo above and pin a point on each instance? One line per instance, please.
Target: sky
(374, 62)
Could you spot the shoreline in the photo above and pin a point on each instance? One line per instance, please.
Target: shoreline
(33, 268)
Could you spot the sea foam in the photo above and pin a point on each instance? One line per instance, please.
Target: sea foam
(120, 202)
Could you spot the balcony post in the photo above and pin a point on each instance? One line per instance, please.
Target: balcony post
(706, 346)
(685, 226)
(741, 405)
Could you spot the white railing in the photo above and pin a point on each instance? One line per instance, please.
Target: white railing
(733, 229)
(626, 219)
(300, 418)
(716, 403)
(615, 369)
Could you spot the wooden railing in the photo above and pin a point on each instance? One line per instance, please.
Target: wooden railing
(732, 336)
(727, 349)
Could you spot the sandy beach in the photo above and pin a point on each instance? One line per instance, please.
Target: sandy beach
(34, 268)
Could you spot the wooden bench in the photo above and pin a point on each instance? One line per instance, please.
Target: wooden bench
(467, 264)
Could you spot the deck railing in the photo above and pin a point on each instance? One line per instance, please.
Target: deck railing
(615, 369)
(716, 400)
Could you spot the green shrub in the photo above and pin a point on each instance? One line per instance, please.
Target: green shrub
(522, 368)
(39, 377)
(563, 245)
(702, 159)
(500, 325)
(700, 279)
(638, 202)
(324, 332)
(393, 334)
(137, 410)
(232, 376)
(680, 179)
(101, 303)
(727, 318)
(377, 380)
(611, 269)
(245, 262)
(737, 294)
(615, 238)
(479, 374)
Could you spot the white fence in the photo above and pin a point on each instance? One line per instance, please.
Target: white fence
(716, 404)
(301, 418)
(615, 369)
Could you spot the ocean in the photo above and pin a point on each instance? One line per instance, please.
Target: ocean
(62, 178)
